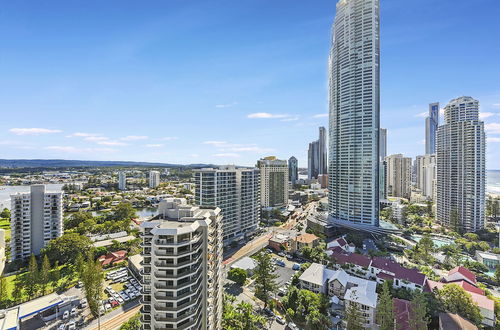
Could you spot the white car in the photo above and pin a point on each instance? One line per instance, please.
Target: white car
(71, 326)
(107, 306)
(65, 315)
(73, 312)
(120, 300)
(61, 326)
(125, 297)
(132, 295)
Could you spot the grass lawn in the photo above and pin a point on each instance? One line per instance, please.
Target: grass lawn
(67, 280)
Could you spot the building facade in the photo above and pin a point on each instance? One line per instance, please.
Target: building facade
(398, 180)
(122, 181)
(426, 175)
(36, 218)
(354, 114)
(461, 166)
(317, 156)
(236, 192)
(293, 170)
(431, 127)
(383, 143)
(182, 268)
(273, 182)
(154, 179)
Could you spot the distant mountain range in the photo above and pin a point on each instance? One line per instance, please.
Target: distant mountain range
(18, 163)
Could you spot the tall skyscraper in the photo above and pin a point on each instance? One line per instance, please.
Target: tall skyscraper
(36, 218)
(182, 267)
(354, 115)
(154, 179)
(122, 181)
(236, 192)
(322, 153)
(431, 126)
(313, 160)
(273, 182)
(293, 170)
(317, 156)
(383, 143)
(425, 167)
(398, 179)
(461, 166)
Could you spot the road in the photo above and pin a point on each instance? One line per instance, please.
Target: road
(116, 318)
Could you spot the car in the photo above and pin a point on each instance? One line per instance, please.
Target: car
(125, 297)
(73, 312)
(289, 257)
(291, 326)
(107, 306)
(296, 266)
(65, 315)
(80, 322)
(288, 283)
(280, 320)
(79, 284)
(281, 293)
(102, 310)
(71, 325)
(120, 300)
(280, 263)
(281, 254)
(61, 326)
(83, 303)
(114, 303)
(109, 288)
(131, 295)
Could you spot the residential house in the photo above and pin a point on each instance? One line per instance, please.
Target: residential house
(112, 258)
(309, 240)
(402, 310)
(279, 242)
(402, 277)
(449, 321)
(341, 243)
(461, 273)
(490, 260)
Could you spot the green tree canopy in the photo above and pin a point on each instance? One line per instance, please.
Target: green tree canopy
(5, 214)
(76, 219)
(385, 309)
(238, 275)
(265, 278)
(455, 299)
(66, 248)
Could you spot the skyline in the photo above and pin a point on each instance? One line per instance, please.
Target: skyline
(126, 87)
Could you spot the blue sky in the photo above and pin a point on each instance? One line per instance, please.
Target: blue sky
(224, 81)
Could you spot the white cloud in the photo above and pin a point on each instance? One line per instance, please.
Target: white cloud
(492, 128)
(111, 143)
(70, 149)
(421, 115)
(227, 155)
(266, 115)
(157, 145)
(33, 131)
(483, 115)
(493, 139)
(169, 138)
(251, 149)
(321, 115)
(134, 138)
(228, 105)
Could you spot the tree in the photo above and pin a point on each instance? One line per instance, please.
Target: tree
(66, 248)
(124, 211)
(424, 248)
(238, 275)
(240, 316)
(497, 274)
(55, 274)
(353, 316)
(79, 265)
(76, 218)
(429, 209)
(418, 319)
(92, 278)
(44, 274)
(18, 292)
(455, 299)
(134, 323)
(265, 278)
(31, 279)
(385, 309)
(455, 223)
(5, 214)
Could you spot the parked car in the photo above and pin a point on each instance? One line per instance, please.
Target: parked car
(107, 306)
(280, 263)
(73, 312)
(296, 266)
(83, 303)
(291, 326)
(72, 325)
(79, 284)
(61, 326)
(269, 312)
(280, 320)
(65, 315)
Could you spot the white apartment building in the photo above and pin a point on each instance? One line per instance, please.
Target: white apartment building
(36, 218)
(354, 115)
(122, 181)
(235, 191)
(182, 267)
(273, 182)
(461, 166)
(154, 179)
(426, 175)
(398, 179)
(2, 250)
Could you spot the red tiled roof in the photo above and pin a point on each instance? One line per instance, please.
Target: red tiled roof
(468, 287)
(112, 257)
(481, 300)
(402, 313)
(465, 272)
(336, 249)
(341, 241)
(352, 258)
(385, 276)
(399, 271)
